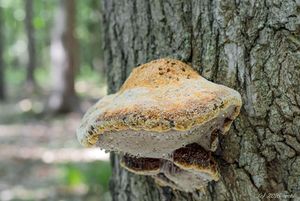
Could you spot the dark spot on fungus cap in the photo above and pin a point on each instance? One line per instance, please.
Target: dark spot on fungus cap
(160, 120)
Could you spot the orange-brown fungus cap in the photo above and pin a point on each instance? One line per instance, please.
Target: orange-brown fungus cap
(166, 120)
(159, 96)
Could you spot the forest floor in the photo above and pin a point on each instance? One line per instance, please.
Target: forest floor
(41, 159)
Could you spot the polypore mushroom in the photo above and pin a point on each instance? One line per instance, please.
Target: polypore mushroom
(189, 168)
(164, 115)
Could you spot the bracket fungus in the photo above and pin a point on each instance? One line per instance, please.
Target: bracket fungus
(165, 121)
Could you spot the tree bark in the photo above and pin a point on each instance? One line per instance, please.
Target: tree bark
(30, 44)
(251, 46)
(64, 59)
(2, 82)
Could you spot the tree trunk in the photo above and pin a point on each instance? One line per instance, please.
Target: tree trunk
(30, 44)
(64, 58)
(2, 82)
(251, 46)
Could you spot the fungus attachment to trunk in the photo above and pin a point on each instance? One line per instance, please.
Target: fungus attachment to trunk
(165, 121)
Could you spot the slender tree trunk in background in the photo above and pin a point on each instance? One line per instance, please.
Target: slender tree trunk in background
(94, 42)
(30, 44)
(64, 58)
(2, 82)
(251, 46)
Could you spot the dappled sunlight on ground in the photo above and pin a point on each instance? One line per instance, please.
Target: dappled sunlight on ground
(52, 155)
(41, 159)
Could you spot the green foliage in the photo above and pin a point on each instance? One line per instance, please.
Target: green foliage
(86, 73)
(42, 76)
(95, 175)
(73, 176)
(88, 33)
(14, 77)
(27, 106)
(15, 55)
(38, 23)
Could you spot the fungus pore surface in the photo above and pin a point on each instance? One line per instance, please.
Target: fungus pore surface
(165, 121)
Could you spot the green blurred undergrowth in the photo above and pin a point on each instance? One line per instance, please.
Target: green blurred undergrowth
(94, 174)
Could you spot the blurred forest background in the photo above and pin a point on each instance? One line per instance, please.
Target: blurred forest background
(51, 71)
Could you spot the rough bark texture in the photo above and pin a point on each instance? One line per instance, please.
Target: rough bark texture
(251, 46)
(64, 58)
(2, 82)
(30, 43)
